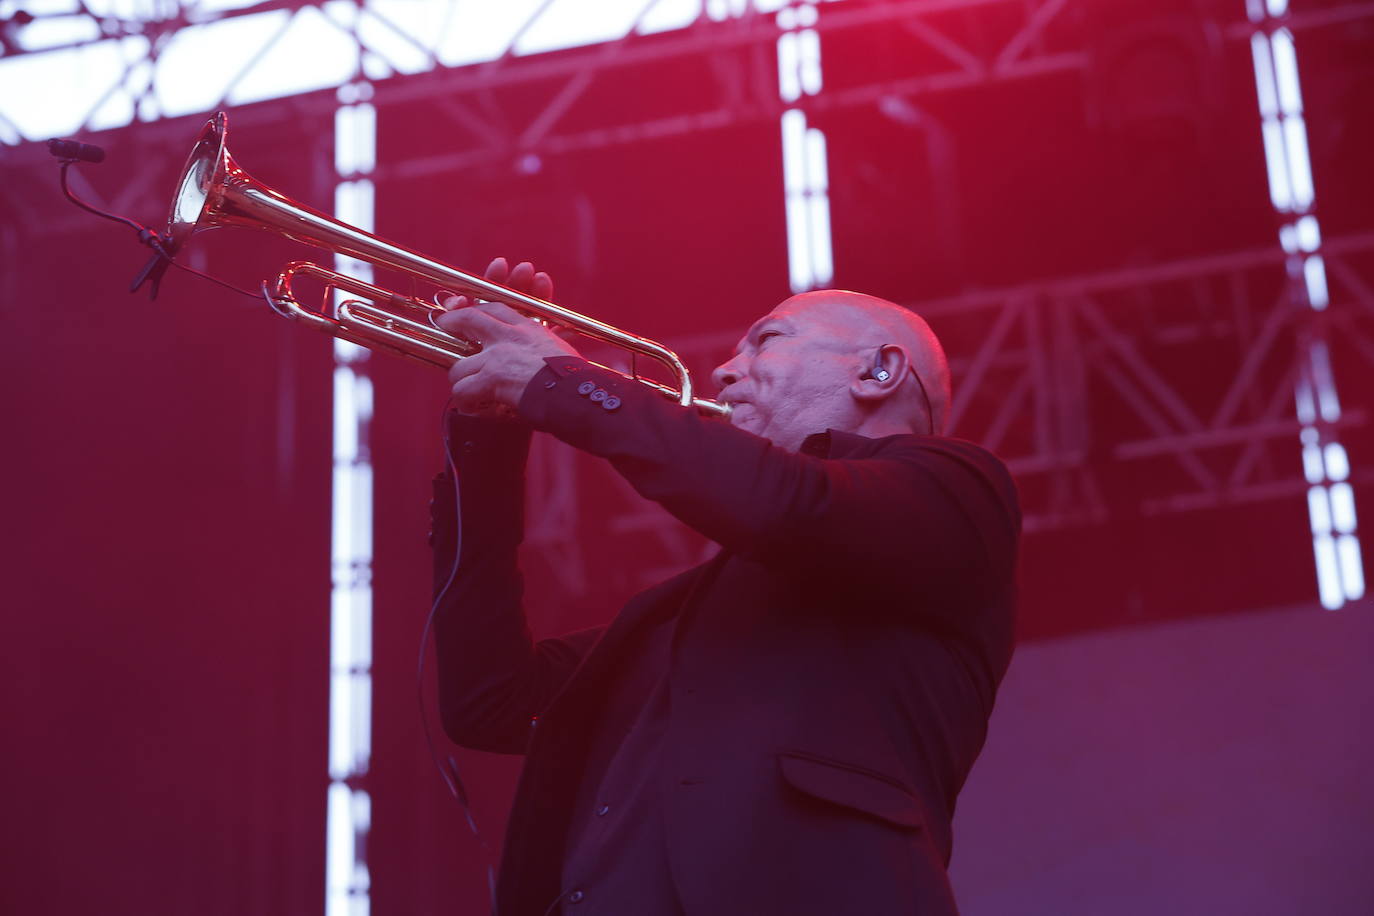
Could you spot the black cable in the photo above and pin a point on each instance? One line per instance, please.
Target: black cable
(162, 259)
(930, 413)
(557, 900)
(229, 286)
(449, 773)
(215, 279)
(146, 236)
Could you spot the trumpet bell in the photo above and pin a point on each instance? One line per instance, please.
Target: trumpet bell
(201, 178)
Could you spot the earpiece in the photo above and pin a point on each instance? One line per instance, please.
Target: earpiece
(878, 373)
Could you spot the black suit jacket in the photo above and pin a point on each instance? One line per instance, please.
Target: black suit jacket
(832, 690)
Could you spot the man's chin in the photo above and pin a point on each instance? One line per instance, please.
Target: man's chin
(745, 417)
(755, 423)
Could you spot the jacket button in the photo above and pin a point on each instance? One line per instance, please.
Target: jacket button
(586, 388)
(601, 812)
(576, 897)
(550, 383)
(611, 403)
(600, 394)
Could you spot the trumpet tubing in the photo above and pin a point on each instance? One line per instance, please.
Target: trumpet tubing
(215, 192)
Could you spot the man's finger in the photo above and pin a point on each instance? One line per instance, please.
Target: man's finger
(468, 396)
(449, 300)
(473, 324)
(502, 312)
(542, 287)
(467, 367)
(498, 271)
(522, 277)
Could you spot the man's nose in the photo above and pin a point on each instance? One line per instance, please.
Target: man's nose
(727, 373)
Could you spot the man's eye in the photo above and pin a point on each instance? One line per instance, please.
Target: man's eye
(767, 334)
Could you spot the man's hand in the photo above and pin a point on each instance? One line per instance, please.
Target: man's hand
(513, 346)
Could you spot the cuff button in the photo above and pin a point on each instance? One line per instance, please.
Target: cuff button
(599, 394)
(611, 403)
(586, 388)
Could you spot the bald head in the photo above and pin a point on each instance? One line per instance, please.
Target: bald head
(835, 359)
(867, 321)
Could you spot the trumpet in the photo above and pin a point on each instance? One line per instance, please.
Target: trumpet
(215, 192)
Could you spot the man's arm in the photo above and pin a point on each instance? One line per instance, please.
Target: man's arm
(934, 515)
(929, 517)
(493, 678)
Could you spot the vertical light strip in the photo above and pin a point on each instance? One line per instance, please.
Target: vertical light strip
(349, 809)
(1330, 499)
(810, 261)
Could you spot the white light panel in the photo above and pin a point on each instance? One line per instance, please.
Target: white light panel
(347, 882)
(571, 23)
(1337, 465)
(1351, 565)
(280, 52)
(810, 256)
(72, 83)
(311, 53)
(1330, 500)
(55, 31)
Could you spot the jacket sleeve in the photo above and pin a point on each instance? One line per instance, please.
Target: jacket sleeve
(493, 678)
(921, 513)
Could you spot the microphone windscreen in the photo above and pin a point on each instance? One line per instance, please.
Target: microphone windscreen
(70, 149)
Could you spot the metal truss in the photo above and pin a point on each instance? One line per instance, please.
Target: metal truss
(1177, 380)
(1046, 38)
(743, 89)
(739, 50)
(1077, 383)
(1039, 367)
(744, 82)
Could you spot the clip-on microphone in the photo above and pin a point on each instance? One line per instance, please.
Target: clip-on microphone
(71, 152)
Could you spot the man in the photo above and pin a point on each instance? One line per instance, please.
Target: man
(785, 728)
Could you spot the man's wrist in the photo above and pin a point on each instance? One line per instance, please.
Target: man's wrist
(557, 371)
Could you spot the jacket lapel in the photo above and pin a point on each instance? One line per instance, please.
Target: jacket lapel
(662, 602)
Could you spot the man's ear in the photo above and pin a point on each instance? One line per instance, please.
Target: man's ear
(885, 371)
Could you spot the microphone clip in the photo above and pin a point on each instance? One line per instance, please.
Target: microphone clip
(156, 267)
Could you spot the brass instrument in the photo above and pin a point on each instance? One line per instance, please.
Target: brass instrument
(213, 191)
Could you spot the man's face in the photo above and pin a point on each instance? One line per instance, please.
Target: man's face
(791, 373)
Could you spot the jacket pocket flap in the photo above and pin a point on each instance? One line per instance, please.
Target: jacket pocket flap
(851, 787)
